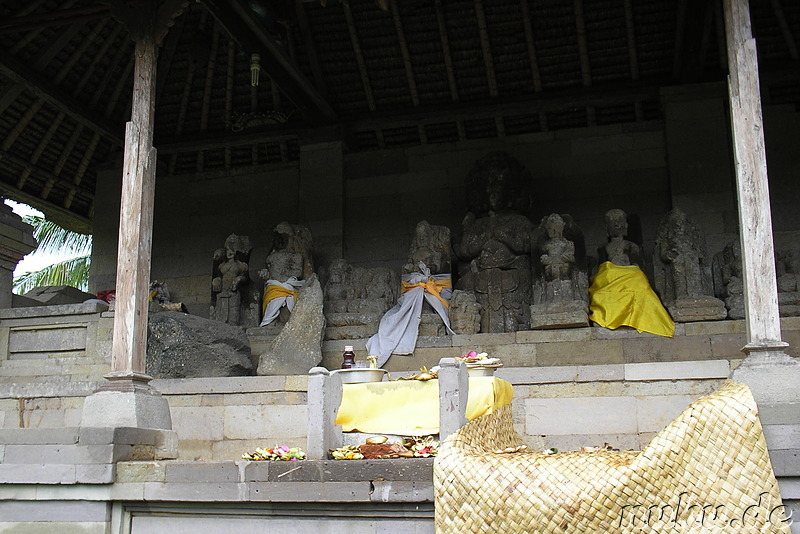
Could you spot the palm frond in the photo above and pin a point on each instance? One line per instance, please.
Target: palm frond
(55, 239)
(73, 272)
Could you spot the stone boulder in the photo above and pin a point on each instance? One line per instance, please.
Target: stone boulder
(298, 347)
(51, 295)
(180, 345)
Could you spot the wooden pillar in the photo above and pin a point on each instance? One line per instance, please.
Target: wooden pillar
(755, 222)
(126, 399)
(136, 222)
(767, 369)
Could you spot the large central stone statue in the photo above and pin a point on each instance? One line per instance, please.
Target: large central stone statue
(495, 245)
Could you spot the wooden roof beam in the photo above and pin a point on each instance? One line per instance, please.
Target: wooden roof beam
(630, 32)
(486, 47)
(528, 26)
(401, 39)
(785, 30)
(362, 65)
(37, 84)
(241, 23)
(448, 60)
(691, 39)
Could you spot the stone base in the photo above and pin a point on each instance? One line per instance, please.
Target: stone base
(559, 315)
(126, 403)
(691, 309)
(772, 376)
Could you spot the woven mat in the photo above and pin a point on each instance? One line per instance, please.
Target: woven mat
(708, 471)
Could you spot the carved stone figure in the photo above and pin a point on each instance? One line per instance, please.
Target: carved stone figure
(788, 270)
(682, 270)
(619, 250)
(560, 297)
(288, 264)
(231, 299)
(430, 247)
(422, 308)
(728, 282)
(465, 313)
(356, 299)
(495, 245)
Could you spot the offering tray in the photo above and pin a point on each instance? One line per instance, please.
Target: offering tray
(360, 375)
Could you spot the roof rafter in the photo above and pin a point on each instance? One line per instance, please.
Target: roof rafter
(240, 22)
(362, 65)
(53, 95)
(785, 30)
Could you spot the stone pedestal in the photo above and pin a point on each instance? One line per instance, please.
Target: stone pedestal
(559, 315)
(324, 398)
(126, 402)
(690, 309)
(453, 395)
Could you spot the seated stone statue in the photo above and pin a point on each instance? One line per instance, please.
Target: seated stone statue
(727, 275)
(293, 323)
(682, 270)
(788, 270)
(287, 266)
(560, 279)
(495, 247)
(619, 250)
(356, 298)
(421, 286)
(620, 292)
(231, 301)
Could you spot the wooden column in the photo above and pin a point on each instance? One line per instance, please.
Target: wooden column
(136, 222)
(755, 222)
(772, 375)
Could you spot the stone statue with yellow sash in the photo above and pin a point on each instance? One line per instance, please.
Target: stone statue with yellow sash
(288, 265)
(425, 301)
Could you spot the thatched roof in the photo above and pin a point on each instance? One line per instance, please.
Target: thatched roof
(380, 74)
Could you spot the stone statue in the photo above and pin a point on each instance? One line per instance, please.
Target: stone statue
(495, 244)
(788, 271)
(560, 284)
(728, 281)
(356, 299)
(619, 250)
(430, 247)
(682, 270)
(231, 301)
(423, 307)
(293, 322)
(465, 313)
(288, 264)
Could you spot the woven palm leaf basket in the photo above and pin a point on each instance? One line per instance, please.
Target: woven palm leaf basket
(708, 471)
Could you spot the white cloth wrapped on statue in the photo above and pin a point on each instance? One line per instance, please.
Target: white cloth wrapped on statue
(277, 295)
(399, 327)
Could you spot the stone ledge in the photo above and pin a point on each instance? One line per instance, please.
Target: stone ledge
(51, 311)
(696, 369)
(47, 389)
(233, 384)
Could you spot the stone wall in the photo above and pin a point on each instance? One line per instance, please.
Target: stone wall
(364, 206)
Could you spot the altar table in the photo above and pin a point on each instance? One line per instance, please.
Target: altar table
(411, 407)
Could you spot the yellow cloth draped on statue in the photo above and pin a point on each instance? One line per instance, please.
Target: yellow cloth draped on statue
(272, 292)
(622, 296)
(434, 287)
(411, 407)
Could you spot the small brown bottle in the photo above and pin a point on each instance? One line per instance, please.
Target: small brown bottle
(348, 358)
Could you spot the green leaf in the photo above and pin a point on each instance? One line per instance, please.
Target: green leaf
(56, 240)
(73, 272)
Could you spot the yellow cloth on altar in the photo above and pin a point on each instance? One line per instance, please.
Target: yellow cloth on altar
(622, 296)
(272, 292)
(434, 287)
(411, 407)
